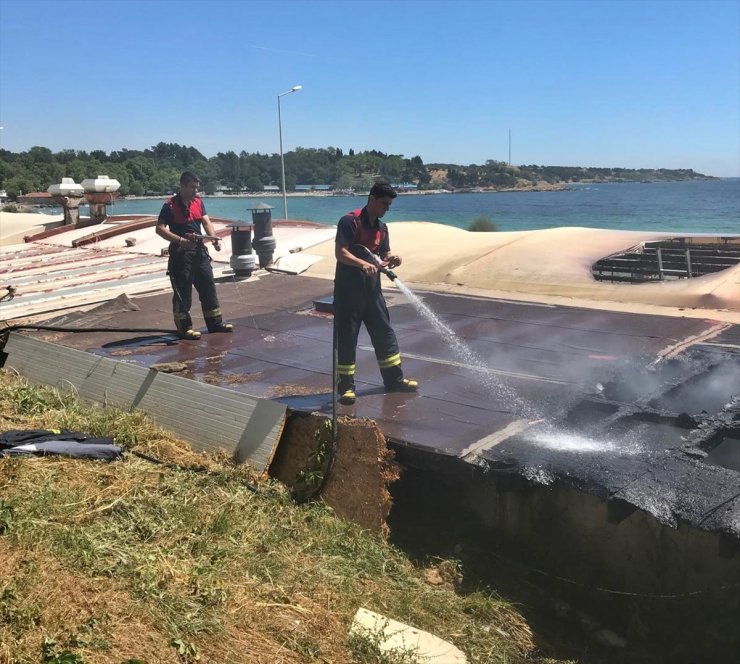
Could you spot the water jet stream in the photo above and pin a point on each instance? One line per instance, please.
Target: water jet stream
(485, 375)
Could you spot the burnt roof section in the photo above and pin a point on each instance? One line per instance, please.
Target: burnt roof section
(669, 259)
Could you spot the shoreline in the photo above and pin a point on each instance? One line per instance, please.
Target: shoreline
(588, 205)
(323, 194)
(536, 187)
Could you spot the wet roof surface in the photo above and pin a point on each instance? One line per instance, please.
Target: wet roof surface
(581, 394)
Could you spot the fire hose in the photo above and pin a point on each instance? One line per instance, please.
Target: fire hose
(370, 257)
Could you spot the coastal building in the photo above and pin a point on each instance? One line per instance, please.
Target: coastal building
(404, 186)
(35, 198)
(312, 187)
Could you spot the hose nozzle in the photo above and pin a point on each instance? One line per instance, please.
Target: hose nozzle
(388, 273)
(375, 260)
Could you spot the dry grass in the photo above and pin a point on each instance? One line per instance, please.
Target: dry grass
(132, 561)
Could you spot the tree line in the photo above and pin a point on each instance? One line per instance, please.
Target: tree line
(156, 171)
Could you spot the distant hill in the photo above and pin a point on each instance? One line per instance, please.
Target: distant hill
(156, 171)
(499, 175)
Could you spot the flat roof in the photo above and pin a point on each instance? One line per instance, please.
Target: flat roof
(502, 392)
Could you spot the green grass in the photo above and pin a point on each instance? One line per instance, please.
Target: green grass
(133, 561)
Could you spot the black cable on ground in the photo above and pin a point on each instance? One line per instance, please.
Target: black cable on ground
(303, 498)
(5, 331)
(335, 382)
(60, 328)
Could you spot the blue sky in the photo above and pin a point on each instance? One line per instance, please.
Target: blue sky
(586, 83)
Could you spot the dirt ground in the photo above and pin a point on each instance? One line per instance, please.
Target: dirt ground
(362, 468)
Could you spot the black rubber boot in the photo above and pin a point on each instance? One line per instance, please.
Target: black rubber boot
(217, 325)
(403, 385)
(346, 390)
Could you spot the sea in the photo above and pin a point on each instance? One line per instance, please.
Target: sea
(697, 206)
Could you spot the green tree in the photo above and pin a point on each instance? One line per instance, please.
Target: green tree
(65, 156)
(136, 188)
(229, 166)
(344, 182)
(17, 185)
(254, 184)
(140, 168)
(40, 155)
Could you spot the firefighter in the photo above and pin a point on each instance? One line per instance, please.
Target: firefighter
(189, 263)
(358, 297)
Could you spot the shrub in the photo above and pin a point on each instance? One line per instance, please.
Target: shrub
(482, 224)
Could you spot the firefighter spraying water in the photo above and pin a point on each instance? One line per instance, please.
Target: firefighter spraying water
(362, 250)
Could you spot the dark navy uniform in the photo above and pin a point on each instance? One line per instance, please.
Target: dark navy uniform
(190, 266)
(358, 299)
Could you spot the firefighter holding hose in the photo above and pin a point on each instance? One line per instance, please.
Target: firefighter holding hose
(181, 222)
(362, 250)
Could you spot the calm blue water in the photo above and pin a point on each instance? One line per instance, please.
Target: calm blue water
(687, 207)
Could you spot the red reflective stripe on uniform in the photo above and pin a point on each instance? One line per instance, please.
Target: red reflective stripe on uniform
(179, 216)
(367, 236)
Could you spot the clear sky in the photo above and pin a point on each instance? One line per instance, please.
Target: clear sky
(633, 84)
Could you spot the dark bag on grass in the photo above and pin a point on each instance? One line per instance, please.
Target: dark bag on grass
(42, 442)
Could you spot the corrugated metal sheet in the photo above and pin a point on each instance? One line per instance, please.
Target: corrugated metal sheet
(48, 277)
(60, 269)
(206, 416)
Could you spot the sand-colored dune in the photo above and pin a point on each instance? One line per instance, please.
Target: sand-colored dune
(15, 225)
(546, 265)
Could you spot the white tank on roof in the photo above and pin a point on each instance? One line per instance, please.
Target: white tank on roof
(66, 187)
(100, 184)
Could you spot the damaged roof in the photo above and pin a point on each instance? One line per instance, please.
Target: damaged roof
(604, 401)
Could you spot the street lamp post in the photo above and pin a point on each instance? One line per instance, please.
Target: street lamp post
(295, 88)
